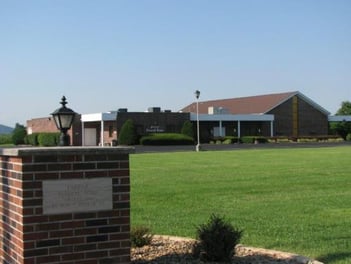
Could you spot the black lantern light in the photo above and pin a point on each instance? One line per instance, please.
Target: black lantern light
(63, 119)
(197, 94)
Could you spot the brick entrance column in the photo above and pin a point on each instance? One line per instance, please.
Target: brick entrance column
(65, 205)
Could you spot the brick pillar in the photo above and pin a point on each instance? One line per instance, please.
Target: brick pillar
(65, 205)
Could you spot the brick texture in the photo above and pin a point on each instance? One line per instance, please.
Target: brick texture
(28, 236)
(311, 121)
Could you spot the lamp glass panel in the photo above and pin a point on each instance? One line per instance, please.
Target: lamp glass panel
(66, 121)
(57, 121)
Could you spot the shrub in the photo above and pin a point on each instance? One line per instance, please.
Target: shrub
(278, 139)
(227, 141)
(253, 139)
(140, 236)
(348, 137)
(19, 134)
(127, 136)
(248, 139)
(48, 139)
(233, 139)
(187, 129)
(32, 139)
(5, 139)
(217, 239)
(218, 142)
(166, 139)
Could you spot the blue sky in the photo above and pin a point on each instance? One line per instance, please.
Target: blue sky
(104, 55)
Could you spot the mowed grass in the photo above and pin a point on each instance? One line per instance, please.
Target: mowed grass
(296, 200)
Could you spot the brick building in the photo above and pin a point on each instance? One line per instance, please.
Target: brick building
(153, 122)
(294, 115)
(290, 114)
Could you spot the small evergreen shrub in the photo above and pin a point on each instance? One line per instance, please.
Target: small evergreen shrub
(227, 141)
(127, 136)
(164, 139)
(217, 240)
(348, 137)
(140, 236)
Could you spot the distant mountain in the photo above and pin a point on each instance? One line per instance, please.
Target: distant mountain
(5, 129)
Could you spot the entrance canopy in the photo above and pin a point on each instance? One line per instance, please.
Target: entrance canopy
(97, 117)
(234, 118)
(228, 117)
(339, 118)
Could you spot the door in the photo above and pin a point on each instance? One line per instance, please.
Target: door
(90, 137)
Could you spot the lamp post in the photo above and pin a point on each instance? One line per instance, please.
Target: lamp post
(197, 95)
(63, 117)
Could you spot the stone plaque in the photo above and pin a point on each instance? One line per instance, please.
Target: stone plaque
(77, 195)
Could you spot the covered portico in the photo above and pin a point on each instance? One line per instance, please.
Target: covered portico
(98, 128)
(221, 119)
(339, 118)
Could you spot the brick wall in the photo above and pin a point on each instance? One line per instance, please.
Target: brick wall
(311, 121)
(169, 122)
(32, 232)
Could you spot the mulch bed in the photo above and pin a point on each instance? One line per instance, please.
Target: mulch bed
(169, 250)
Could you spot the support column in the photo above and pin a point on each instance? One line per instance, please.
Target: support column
(239, 132)
(65, 205)
(102, 133)
(83, 134)
(220, 128)
(272, 129)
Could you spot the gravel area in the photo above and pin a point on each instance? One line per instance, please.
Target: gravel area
(169, 250)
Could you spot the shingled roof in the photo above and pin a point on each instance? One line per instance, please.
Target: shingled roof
(260, 104)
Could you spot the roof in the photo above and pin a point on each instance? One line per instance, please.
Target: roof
(339, 118)
(108, 116)
(259, 104)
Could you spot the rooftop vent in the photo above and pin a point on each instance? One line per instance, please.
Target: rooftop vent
(215, 110)
(154, 109)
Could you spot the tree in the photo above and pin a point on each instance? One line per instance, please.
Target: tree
(127, 136)
(345, 108)
(187, 129)
(18, 134)
(342, 128)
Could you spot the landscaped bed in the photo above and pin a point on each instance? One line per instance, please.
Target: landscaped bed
(168, 250)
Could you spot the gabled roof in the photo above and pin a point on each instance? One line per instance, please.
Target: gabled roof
(260, 104)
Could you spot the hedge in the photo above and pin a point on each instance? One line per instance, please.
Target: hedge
(253, 139)
(226, 140)
(164, 139)
(5, 139)
(32, 139)
(48, 139)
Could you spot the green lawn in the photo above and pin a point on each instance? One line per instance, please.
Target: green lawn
(296, 200)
